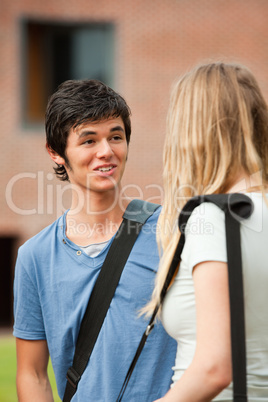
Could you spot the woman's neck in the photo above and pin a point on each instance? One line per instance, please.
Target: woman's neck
(246, 183)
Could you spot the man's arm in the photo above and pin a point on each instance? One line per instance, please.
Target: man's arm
(32, 378)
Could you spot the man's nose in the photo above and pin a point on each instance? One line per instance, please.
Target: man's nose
(104, 150)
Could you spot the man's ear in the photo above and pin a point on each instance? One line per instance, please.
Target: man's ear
(54, 156)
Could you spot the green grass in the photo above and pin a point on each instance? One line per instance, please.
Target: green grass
(8, 371)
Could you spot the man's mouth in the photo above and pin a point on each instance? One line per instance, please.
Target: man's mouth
(105, 169)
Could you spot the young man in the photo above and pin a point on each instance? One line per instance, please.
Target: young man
(88, 131)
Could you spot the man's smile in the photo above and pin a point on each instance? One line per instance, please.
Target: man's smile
(107, 168)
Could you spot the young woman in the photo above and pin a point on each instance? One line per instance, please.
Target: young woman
(217, 142)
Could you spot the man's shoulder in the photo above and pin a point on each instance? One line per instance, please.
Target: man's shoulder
(142, 211)
(153, 218)
(146, 249)
(42, 240)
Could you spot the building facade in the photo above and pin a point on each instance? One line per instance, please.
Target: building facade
(139, 47)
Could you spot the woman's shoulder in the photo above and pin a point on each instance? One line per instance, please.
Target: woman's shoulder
(205, 236)
(204, 217)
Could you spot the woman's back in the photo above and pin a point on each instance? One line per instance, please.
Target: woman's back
(205, 241)
(254, 244)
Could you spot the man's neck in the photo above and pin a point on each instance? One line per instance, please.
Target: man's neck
(97, 220)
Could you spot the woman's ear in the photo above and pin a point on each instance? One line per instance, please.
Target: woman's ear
(54, 156)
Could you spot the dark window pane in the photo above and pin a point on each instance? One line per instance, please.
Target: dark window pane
(54, 53)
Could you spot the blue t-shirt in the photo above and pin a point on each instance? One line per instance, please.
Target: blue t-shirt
(53, 281)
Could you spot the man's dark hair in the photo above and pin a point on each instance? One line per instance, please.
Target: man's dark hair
(76, 102)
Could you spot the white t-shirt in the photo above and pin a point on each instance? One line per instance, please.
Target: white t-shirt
(205, 241)
(94, 249)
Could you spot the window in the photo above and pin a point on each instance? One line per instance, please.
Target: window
(53, 53)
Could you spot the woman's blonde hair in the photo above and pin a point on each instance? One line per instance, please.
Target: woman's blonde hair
(217, 125)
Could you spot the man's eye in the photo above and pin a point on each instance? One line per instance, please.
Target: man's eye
(117, 137)
(88, 142)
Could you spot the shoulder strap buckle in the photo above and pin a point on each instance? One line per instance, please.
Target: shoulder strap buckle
(73, 377)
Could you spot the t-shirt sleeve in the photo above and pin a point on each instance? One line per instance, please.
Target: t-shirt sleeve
(28, 319)
(204, 236)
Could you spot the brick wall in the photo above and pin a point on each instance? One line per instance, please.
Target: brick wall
(156, 41)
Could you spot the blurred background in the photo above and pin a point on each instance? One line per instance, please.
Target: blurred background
(138, 47)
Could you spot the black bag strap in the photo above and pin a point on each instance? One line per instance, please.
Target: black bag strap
(135, 216)
(236, 207)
